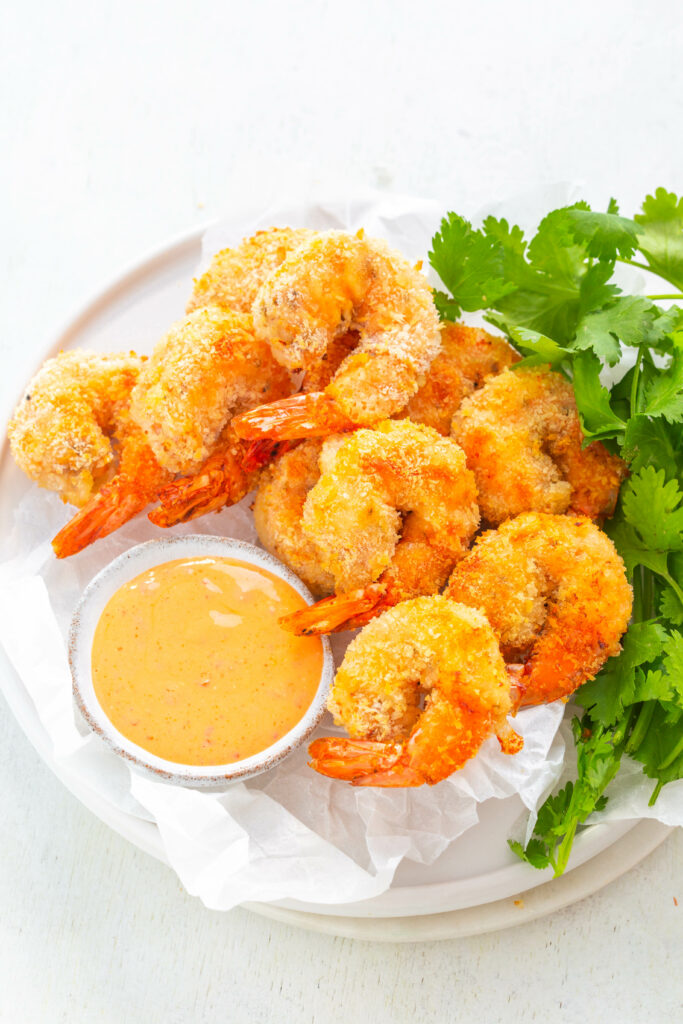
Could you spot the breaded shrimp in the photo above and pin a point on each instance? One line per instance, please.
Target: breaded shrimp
(137, 482)
(555, 592)
(396, 505)
(62, 430)
(205, 368)
(429, 648)
(278, 509)
(522, 438)
(224, 478)
(332, 284)
(235, 275)
(467, 358)
(208, 367)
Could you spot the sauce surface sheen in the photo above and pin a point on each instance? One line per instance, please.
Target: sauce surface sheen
(189, 662)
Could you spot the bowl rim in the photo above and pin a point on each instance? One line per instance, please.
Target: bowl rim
(97, 593)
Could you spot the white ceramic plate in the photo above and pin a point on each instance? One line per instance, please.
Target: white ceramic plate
(473, 886)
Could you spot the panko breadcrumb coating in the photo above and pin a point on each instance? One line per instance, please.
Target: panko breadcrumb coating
(208, 367)
(61, 431)
(556, 594)
(429, 649)
(468, 356)
(332, 284)
(235, 275)
(522, 437)
(278, 508)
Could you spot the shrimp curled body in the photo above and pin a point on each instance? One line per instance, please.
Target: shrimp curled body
(61, 433)
(429, 649)
(278, 508)
(334, 284)
(555, 592)
(234, 276)
(208, 367)
(468, 357)
(397, 505)
(522, 437)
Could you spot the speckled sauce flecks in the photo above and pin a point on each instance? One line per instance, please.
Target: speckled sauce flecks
(189, 662)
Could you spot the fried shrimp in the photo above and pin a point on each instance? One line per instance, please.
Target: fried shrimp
(396, 505)
(235, 275)
(555, 592)
(62, 432)
(332, 284)
(278, 510)
(208, 367)
(467, 358)
(522, 437)
(224, 478)
(428, 649)
(137, 483)
(205, 368)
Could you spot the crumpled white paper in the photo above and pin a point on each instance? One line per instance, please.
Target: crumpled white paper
(288, 833)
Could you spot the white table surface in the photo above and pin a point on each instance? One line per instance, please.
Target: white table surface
(123, 124)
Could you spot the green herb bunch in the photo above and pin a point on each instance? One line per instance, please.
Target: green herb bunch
(556, 300)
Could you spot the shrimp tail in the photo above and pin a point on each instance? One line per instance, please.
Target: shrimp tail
(341, 758)
(137, 483)
(260, 453)
(110, 508)
(221, 481)
(510, 741)
(304, 415)
(335, 614)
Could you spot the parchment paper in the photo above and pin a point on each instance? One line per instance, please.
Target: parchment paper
(289, 833)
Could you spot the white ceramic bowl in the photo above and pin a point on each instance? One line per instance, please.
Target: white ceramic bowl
(96, 595)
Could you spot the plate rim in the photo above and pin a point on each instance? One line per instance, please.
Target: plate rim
(146, 836)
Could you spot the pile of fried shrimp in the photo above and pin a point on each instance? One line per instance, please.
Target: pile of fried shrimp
(427, 490)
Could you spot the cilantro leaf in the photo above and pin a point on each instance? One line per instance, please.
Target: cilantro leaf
(552, 249)
(469, 264)
(650, 442)
(605, 235)
(660, 235)
(598, 419)
(671, 607)
(541, 349)
(614, 687)
(664, 394)
(661, 750)
(634, 550)
(651, 505)
(626, 319)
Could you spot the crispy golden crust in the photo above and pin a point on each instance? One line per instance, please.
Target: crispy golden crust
(555, 592)
(467, 358)
(60, 434)
(522, 437)
(278, 508)
(334, 283)
(235, 275)
(371, 480)
(208, 367)
(429, 648)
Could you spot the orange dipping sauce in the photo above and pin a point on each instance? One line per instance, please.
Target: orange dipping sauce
(189, 662)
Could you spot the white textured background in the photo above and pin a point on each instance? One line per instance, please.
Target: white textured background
(124, 123)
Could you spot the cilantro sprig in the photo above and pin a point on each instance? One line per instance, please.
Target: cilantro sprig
(556, 298)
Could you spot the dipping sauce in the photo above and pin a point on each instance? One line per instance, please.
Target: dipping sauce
(189, 662)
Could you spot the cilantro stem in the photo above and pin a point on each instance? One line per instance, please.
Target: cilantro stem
(676, 752)
(635, 382)
(674, 586)
(565, 848)
(635, 263)
(642, 725)
(655, 793)
(676, 295)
